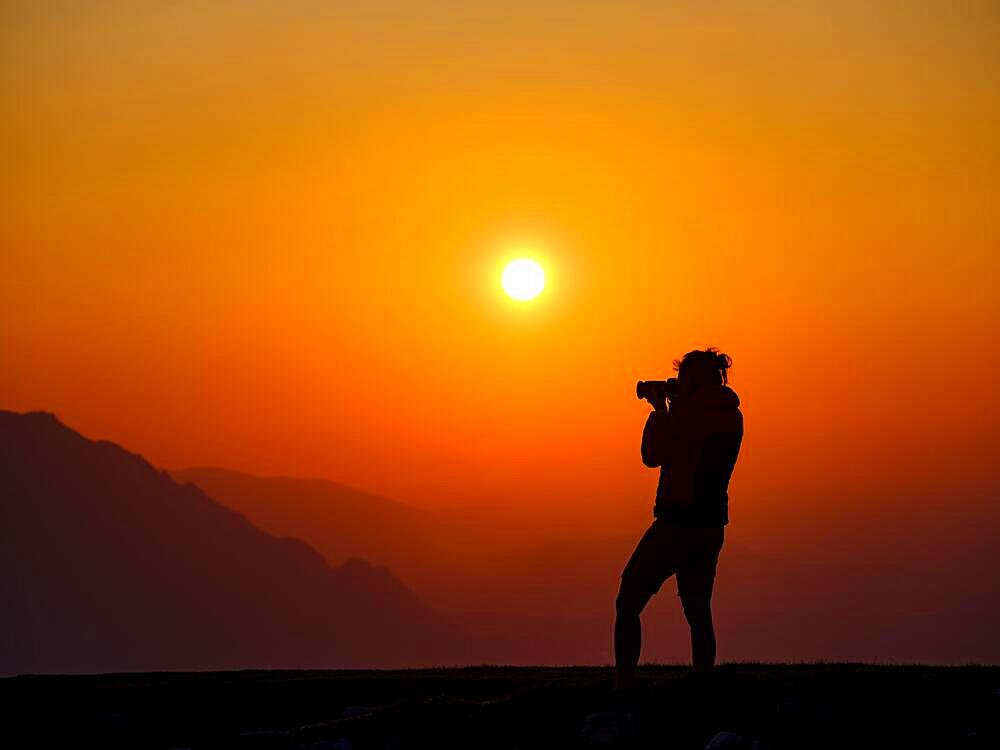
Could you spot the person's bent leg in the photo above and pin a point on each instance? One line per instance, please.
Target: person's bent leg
(628, 632)
(646, 570)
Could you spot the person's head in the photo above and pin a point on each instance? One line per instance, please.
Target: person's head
(701, 367)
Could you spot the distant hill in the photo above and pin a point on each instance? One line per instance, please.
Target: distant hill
(453, 560)
(340, 521)
(531, 600)
(107, 564)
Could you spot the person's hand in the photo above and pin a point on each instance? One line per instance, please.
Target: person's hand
(658, 403)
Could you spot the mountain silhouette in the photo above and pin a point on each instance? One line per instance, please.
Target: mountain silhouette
(343, 522)
(110, 565)
(455, 561)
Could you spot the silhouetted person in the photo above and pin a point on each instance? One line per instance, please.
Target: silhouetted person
(694, 441)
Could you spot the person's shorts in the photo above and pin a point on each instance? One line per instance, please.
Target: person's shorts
(690, 552)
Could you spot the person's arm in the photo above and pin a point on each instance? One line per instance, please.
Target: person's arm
(664, 435)
(655, 439)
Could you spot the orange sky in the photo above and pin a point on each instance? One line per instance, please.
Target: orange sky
(268, 235)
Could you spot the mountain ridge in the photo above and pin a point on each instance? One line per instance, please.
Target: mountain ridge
(109, 563)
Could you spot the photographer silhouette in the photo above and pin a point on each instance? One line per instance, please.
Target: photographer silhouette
(694, 441)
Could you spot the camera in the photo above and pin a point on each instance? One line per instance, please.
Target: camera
(657, 390)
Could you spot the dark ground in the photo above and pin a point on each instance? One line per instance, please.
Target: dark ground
(794, 706)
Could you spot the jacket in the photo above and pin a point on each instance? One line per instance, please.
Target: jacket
(695, 444)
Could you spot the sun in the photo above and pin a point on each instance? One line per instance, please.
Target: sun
(523, 279)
